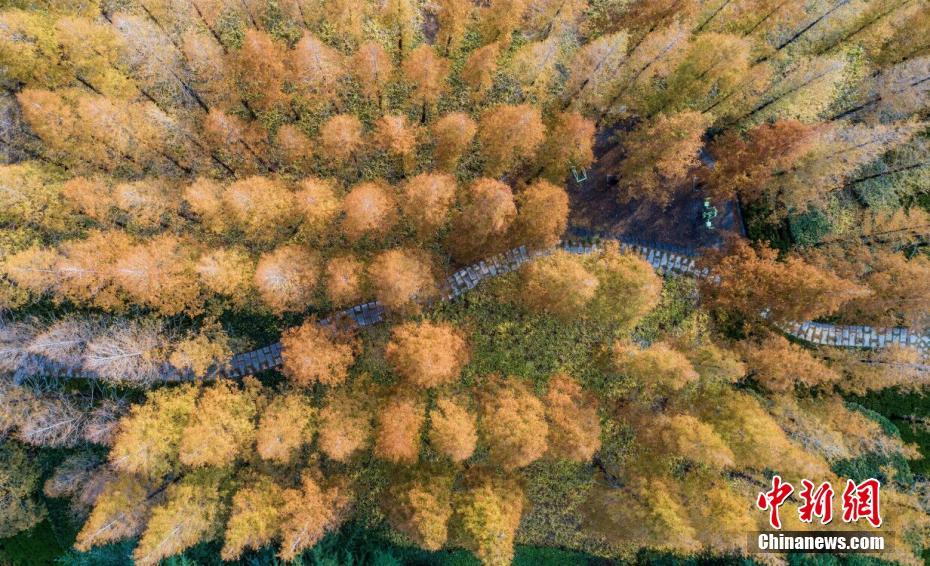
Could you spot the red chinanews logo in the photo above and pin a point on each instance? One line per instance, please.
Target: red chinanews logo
(859, 500)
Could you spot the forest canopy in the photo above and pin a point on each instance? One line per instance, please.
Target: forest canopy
(183, 181)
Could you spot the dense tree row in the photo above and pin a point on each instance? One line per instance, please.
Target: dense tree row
(193, 164)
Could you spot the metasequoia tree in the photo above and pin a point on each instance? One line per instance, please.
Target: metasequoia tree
(393, 135)
(89, 196)
(559, 285)
(194, 511)
(593, 69)
(509, 134)
(120, 512)
(427, 72)
(261, 207)
(534, 67)
(484, 219)
(309, 513)
(487, 516)
(202, 351)
(255, 517)
(659, 370)
(400, 18)
(373, 69)
(751, 280)
(574, 425)
(746, 163)
(345, 280)
(569, 143)
(453, 134)
(229, 272)
(286, 424)
(370, 209)
(294, 147)
(628, 288)
(240, 145)
(222, 426)
(452, 17)
(397, 436)
(317, 68)
(479, 70)
(149, 438)
(512, 423)
(421, 510)
(127, 352)
(542, 215)
(711, 66)
(318, 204)
(426, 201)
(345, 426)
(778, 365)
(340, 138)
(452, 430)
(427, 355)
(160, 273)
(659, 155)
(402, 278)
(314, 354)
(260, 70)
(204, 197)
(899, 293)
(500, 18)
(287, 278)
(684, 436)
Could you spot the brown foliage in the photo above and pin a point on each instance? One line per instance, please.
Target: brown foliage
(509, 134)
(542, 215)
(453, 134)
(286, 424)
(340, 138)
(393, 135)
(397, 438)
(659, 155)
(570, 143)
(228, 272)
(513, 423)
(313, 354)
(287, 277)
(426, 354)
(746, 163)
(262, 208)
(345, 280)
(750, 279)
(480, 227)
(318, 204)
(294, 147)
(478, 71)
(574, 425)
(370, 210)
(373, 68)
(559, 285)
(345, 426)
(421, 509)
(427, 71)
(401, 279)
(427, 200)
(89, 196)
(309, 513)
(453, 431)
(778, 365)
(160, 273)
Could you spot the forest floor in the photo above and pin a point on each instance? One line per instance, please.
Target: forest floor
(595, 207)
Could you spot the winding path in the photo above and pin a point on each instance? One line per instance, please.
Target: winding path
(665, 259)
